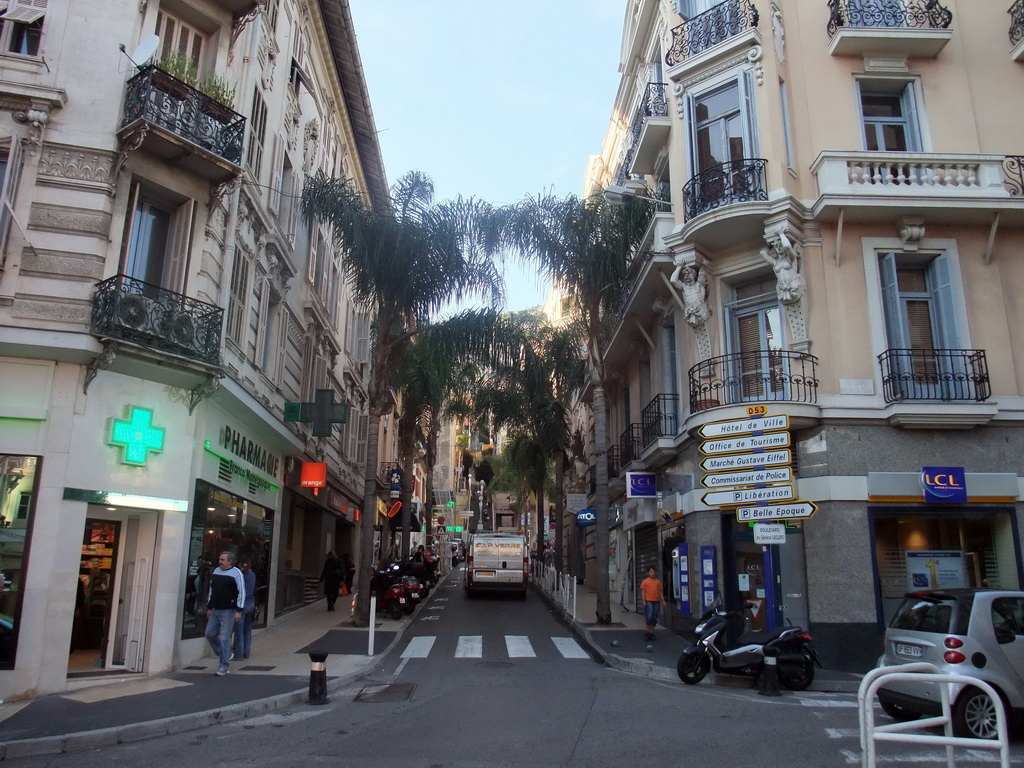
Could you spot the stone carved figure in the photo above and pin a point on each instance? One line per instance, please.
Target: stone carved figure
(692, 282)
(784, 256)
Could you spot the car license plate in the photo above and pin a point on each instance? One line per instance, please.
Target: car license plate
(401, 599)
(909, 650)
(415, 595)
(485, 573)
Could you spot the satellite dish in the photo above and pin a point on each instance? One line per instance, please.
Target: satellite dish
(145, 52)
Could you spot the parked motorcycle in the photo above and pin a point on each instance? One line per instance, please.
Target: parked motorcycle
(387, 585)
(796, 658)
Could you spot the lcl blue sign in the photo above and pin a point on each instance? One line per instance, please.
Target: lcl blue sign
(585, 517)
(944, 485)
(641, 485)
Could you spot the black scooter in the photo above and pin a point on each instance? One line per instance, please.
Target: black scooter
(796, 655)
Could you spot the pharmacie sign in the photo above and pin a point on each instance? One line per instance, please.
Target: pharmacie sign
(248, 450)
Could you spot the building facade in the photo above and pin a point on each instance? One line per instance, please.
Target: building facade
(818, 356)
(177, 348)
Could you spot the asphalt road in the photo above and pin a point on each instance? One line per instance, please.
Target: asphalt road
(501, 682)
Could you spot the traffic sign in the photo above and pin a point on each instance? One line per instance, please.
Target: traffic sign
(749, 477)
(755, 460)
(791, 511)
(747, 443)
(744, 426)
(748, 495)
(769, 533)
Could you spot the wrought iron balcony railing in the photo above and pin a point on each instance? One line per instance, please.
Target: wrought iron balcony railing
(1016, 21)
(614, 460)
(738, 181)
(1013, 171)
(912, 14)
(165, 101)
(653, 104)
(130, 310)
(935, 374)
(766, 375)
(632, 442)
(713, 26)
(660, 418)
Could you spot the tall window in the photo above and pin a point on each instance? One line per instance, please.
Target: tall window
(889, 117)
(257, 134)
(755, 343)
(22, 26)
(239, 293)
(159, 239)
(180, 39)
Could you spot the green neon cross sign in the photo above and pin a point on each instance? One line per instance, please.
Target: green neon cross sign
(323, 412)
(137, 436)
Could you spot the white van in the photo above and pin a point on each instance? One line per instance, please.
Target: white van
(498, 562)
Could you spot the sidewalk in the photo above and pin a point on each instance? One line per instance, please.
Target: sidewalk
(112, 710)
(622, 646)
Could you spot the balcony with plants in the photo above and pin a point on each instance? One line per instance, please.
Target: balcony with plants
(170, 112)
(126, 309)
(913, 28)
(720, 29)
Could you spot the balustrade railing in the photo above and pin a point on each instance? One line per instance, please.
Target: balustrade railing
(632, 442)
(913, 14)
(769, 375)
(720, 23)
(660, 418)
(738, 181)
(157, 97)
(935, 374)
(141, 313)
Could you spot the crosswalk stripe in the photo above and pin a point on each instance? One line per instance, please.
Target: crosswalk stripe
(470, 647)
(569, 648)
(419, 647)
(519, 647)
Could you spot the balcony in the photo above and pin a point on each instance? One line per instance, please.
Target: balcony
(723, 22)
(871, 184)
(660, 418)
(130, 310)
(632, 443)
(756, 376)
(614, 460)
(1017, 30)
(913, 28)
(946, 375)
(647, 134)
(181, 125)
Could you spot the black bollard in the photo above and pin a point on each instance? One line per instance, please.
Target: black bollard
(770, 675)
(318, 679)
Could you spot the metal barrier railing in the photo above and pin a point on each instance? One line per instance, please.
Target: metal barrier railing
(560, 587)
(923, 672)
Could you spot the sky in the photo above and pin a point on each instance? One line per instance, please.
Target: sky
(495, 100)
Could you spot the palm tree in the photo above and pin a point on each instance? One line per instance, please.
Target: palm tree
(585, 245)
(403, 264)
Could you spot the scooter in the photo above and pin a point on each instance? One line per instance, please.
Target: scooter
(796, 655)
(391, 594)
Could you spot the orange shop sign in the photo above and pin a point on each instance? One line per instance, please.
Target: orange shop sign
(314, 474)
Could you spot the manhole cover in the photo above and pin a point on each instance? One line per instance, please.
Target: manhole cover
(381, 693)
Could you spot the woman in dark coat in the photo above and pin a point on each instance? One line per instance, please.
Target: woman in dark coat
(332, 577)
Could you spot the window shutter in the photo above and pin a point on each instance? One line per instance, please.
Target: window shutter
(894, 327)
(277, 174)
(129, 226)
(8, 191)
(750, 143)
(364, 426)
(314, 239)
(181, 240)
(260, 350)
(25, 11)
(940, 285)
(691, 134)
(909, 104)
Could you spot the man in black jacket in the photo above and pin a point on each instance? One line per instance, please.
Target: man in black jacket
(224, 607)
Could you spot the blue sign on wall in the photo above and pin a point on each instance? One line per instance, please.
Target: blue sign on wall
(641, 485)
(586, 517)
(944, 485)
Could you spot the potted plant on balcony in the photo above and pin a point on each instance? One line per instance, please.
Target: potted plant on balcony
(221, 101)
(182, 70)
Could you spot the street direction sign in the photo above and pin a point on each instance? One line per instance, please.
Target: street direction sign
(747, 443)
(791, 511)
(748, 496)
(744, 426)
(769, 533)
(749, 477)
(755, 460)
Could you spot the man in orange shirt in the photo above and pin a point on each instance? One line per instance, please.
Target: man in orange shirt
(650, 588)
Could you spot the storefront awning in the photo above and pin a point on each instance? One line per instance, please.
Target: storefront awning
(396, 523)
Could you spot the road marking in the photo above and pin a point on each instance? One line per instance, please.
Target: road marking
(519, 647)
(429, 618)
(470, 647)
(842, 733)
(811, 702)
(419, 647)
(569, 648)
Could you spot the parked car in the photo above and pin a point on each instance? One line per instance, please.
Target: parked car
(974, 632)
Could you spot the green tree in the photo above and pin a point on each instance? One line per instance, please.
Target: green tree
(403, 264)
(585, 246)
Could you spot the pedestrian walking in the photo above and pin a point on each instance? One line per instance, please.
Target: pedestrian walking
(243, 627)
(224, 607)
(332, 577)
(651, 590)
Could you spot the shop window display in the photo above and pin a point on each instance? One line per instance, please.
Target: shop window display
(17, 486)
(224, 522)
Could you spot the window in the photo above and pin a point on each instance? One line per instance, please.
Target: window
(22, 26)
(756, 342)
(690, 8)
(237, 301)
(889, 116)
(257, 134)
(258, 316)
(159, 239)
(17, 483)
(10, 172)
(180, 39)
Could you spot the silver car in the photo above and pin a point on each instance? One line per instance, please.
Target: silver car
(975, 632)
